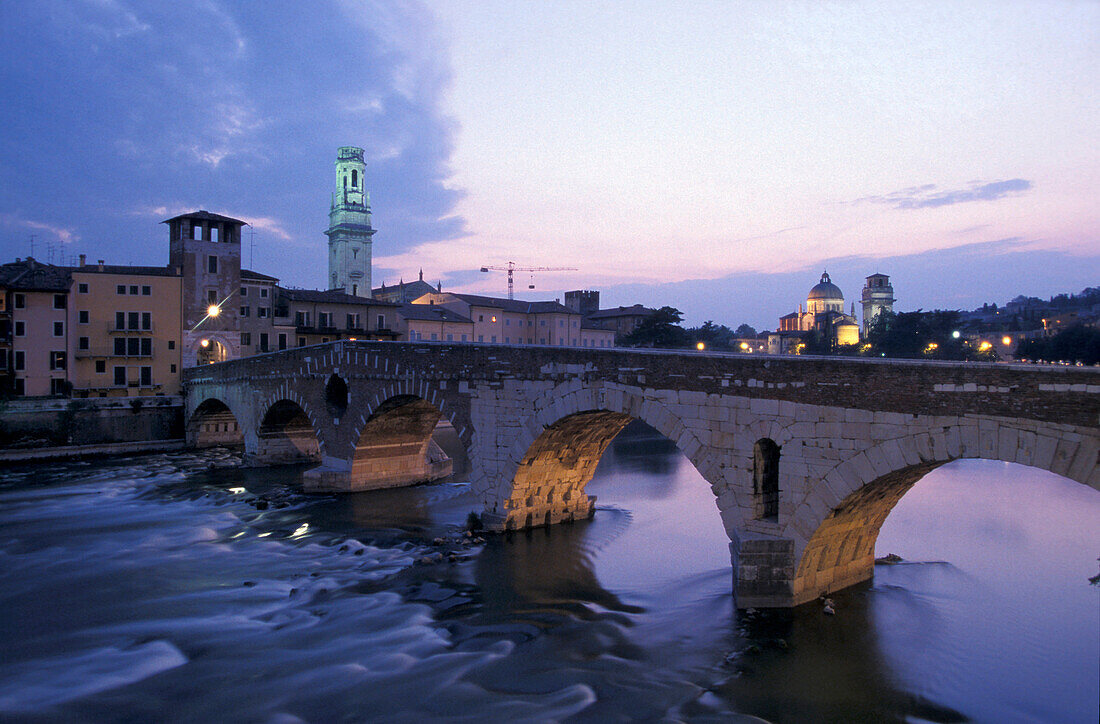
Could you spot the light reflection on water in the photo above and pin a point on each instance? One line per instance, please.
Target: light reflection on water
(154, 588)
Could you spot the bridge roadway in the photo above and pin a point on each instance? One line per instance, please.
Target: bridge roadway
(806, 456)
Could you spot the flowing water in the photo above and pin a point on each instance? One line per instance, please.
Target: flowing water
(180, 588)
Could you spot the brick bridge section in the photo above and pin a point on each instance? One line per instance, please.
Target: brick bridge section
(806, 456)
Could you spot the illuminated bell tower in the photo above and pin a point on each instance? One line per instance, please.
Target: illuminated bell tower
(349, 231)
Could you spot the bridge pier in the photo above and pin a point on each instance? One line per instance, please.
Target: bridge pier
(763, 571)
(424, 463)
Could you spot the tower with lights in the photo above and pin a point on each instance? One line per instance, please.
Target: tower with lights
(205, 250)
(349, 231)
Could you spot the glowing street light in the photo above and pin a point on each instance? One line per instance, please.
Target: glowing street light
(213, 311)
(700, 346)
(984, 346)
(205, 343)
(956, 334)
(744, 346)
(1006, 340)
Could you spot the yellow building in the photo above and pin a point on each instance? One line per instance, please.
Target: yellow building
(125, 330)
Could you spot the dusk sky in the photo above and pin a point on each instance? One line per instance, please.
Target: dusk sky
(711, 156)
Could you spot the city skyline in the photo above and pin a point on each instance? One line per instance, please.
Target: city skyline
(712, 157)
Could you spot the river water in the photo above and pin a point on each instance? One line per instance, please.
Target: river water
(180, 588)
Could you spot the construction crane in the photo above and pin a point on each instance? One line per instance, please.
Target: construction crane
(513, 268)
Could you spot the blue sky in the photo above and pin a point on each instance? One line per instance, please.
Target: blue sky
(710, 155)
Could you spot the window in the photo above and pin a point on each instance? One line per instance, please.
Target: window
(246, 311)
(20, 329)
(212, 264)
(59, 329)
(134, 319)
(57, 360)
(20, 359)
(134, 289)
(354, 178)
(146, 347)
(212, 296)
(171, 344)
(263, 341)
(301, 341)
(263, 292)
(146, 291)
(301, 319)
(244, 291)
(19, 386)
(82, 343)
(120, 320)
(463, 338)
(481, 338)
(494, 339)
(324, 319)
(450, 338)
(147, 320)
(542, 322)
(120, 346)
(246, 339)
(481, 317)
(82, 287)
(100, 366)
(196, 232)
(353, 321)
(434, 336)
(282, 341)
(765, 478)
(507, 340)
(82, 316)
(59, 301)
(3, 361)
(172, 369)
(58, 387)
(381, 321)
(561, 323)
(214, 234)
(120, 289)
(120, 376)
(146, 376)
(262, 312)
(20, 301)
(133, 346)
(324, 340)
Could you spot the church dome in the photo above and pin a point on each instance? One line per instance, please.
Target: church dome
(825, 290)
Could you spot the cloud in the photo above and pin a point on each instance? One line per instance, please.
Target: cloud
(64, 235)
(927, 197)
(138, 109)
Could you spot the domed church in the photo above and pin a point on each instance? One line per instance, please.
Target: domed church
(824, 313)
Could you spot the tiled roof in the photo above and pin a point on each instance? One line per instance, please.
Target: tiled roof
(432, 313)
(636, 310)
(147, 271)
(256, 276)
(32, 275)
(517, 306)
(208, 216)
(331, 297)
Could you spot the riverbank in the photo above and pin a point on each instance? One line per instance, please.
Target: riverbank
(72, 452)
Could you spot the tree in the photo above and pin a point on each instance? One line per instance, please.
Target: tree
(744, 331)
(922, 335)
(660, 329)
(1076, 344)
(714, 336)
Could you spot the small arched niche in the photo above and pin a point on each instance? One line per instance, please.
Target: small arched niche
(336, 396)
(765, 479)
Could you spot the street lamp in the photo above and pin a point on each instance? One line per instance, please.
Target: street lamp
(213, 310)
(700, 346)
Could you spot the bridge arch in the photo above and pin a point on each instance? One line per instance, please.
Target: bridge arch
(393, 443)
(559, 445)
(836, 527)
(287, 433)
(213, 423)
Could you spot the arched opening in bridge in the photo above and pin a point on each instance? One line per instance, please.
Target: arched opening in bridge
(841, 552)
(336, 396)
(210, 351)
(213, 424)
(287, 435)
(396, 447)
(765, 479)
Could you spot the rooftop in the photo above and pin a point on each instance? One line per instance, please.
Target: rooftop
(206, 216)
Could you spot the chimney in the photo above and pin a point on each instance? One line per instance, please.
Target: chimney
(101, 265)
(83, 258)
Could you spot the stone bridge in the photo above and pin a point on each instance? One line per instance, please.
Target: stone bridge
(806, 456)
